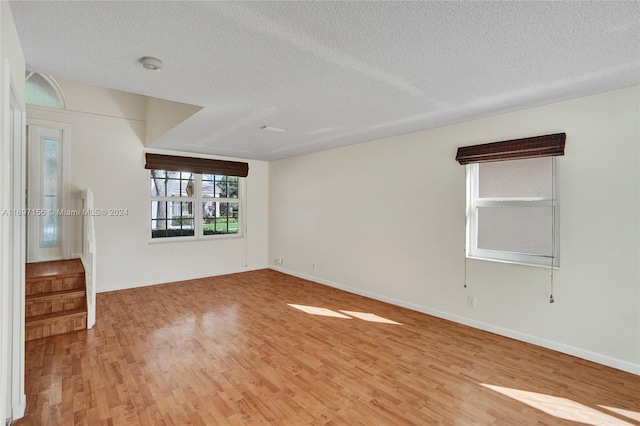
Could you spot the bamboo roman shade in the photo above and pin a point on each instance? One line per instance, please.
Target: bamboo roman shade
(196, 165)
(515, 149)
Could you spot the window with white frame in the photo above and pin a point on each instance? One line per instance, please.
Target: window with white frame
(512, 211)
(220, 204)
(42, 90)
(189, 205)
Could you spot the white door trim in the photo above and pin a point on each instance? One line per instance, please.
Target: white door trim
(18, 397)
(12, 250)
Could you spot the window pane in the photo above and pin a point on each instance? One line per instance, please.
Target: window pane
(50, 179)
(223, 188)
(173, 187)
(516, 229)
(40, 91)
(171, 219)
(50, 222)
(216, 186)
(50, 160)
(166, 183)
(209, 188)
(159, 183)
(219, 218)
(232, 187)
(517, 178)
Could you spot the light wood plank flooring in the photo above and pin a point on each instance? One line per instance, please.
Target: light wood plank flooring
(231, 350)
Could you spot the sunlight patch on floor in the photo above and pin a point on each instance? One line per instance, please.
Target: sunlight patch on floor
(633, 415)
(369, 317)
(562, 408)
(314, 310)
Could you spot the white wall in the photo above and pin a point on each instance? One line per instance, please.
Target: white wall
(108, 130)
(386, 219)
(12, 65)
(163, 115)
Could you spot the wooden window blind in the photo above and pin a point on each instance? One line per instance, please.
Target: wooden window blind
(515, 149)
(196, 165)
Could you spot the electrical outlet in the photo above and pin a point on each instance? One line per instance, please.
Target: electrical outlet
(471, 301)
(279, 260)
(313, 266)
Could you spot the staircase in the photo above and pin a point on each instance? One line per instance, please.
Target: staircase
(56, 300)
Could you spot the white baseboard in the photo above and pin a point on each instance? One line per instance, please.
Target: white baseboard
(166, 280)
(538, 341)
(17, 412)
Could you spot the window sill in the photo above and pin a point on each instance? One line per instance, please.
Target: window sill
(514, 262)
(194, 239)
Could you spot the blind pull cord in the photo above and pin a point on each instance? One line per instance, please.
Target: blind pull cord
(553, 227)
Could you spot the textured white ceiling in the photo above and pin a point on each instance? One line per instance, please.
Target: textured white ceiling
(333, 73)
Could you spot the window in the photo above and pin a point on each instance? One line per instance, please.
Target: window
(512, 211)
(194, 206)
(220, 205)
(511, 199)
(195, 198)
(42, 90)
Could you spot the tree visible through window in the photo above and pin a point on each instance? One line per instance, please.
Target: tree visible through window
(175, 197)
(219, 204)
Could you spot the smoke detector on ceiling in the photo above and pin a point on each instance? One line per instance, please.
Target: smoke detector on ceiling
(151, 63)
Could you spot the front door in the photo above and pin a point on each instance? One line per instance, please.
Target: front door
(46, 193)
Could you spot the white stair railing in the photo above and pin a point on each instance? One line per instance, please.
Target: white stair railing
(89, 254)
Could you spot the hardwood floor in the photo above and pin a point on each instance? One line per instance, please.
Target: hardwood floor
(231, 350)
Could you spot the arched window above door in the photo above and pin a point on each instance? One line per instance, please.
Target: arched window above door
(43, 90)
